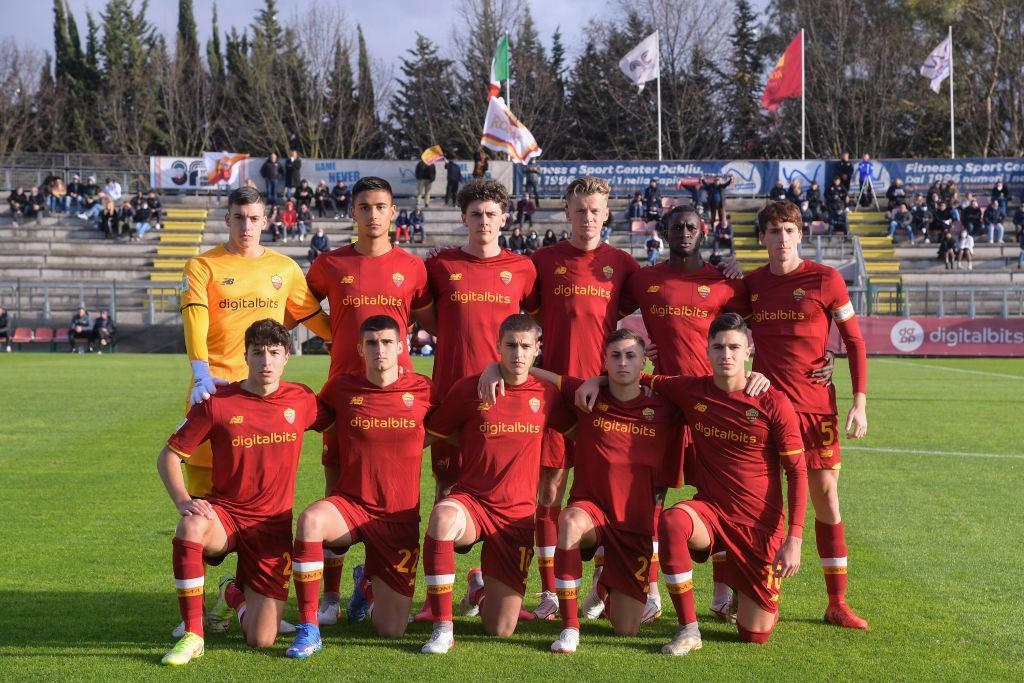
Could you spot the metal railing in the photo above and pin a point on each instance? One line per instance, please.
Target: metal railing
(32, 169)
(928, 300)
(38, 298)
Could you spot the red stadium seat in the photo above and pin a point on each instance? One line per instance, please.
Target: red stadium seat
(61, 335)
(818, 228)
(22, 335)
(44, 335)
(638, 225)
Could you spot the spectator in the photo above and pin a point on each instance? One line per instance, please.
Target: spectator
(271, 171)
(137, 200)
(806, 215)
(34, 204)
(402, 226)
(896, 193)
(74, 195)
(104, 332)
(941, 219)
(1018, 223)
(156, 213)
(451, 190)
(318, 244)
(125, 218)
(277, 232)
(564, 236)
(1000, 194)
(606, 229)
(714, 187)
(304, 194)
(80, 331)
(902, 219)
(532, 242)
(795, 193)
(516, 242)
(947, 248)
(425, 175)
(416, 221)
(844, 173)
(933, 201)
(778, 193)
(304, 219)
(922, 216)
(289, 220)
(5, 329)
(16, 202)
(549, 238)
(652, 200)
(532, 176)
(112, 188)
(837, 220)
(502, 240)
(57, 196)
(837, 192)
(90, 192)
(525, 209)
(1020, 263)
(965, 251)
(481, 162)
(814, 199)
(109, 219)
(722, 235)
(950, 193)
(935, 188)
(141, 218)
(971, 218)
(865, 169)
(292, 175)
(654, 246)
(994, 217)
(635, 210)
(322, 199)
(340, 194)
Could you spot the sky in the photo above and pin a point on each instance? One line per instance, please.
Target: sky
(390, 29)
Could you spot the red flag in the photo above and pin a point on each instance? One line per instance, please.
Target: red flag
(785, 81)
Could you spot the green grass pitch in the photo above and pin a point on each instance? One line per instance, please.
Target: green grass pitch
(932, 502)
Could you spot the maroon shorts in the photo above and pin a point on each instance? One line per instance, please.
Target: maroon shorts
(820, 433)
(556, 451)
(264, 552)
(680, 464)
(627, 555)
(445, 461)
(749, 555)
(508, 548)
(392, 546)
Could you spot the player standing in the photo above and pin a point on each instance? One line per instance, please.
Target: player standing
(576, 302)
(740, 441)
(375, 500)
(794, 301)
(255, 429)
(223, 291)
(493, 498)
(368, 278)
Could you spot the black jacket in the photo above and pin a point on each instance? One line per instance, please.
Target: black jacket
(320, 243)
(778, 194)
(271, 170)
(454, 173)
(845, 171)
(292, 171)
(83, 321)
(104, 324)
(425, 171)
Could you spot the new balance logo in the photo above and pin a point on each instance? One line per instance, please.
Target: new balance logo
(237, 419)
(356, 401)
(455, 277)
(228, 281)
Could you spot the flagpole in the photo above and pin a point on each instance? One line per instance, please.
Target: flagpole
(659, 97)
(508, 81)
(803, 114)
(952, 126)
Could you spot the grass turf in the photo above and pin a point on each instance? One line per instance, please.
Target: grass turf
(86, 589)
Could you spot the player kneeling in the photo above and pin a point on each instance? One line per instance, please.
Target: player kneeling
(494, 497)
(740, 441)
(376, 498)
(255, 430)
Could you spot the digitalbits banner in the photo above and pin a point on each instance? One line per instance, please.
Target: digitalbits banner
(940, 336)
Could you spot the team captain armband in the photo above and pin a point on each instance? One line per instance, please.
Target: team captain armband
(843, 313)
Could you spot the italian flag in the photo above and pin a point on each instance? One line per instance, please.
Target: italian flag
(499, 67)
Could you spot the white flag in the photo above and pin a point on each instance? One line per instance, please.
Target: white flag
(503, 132)
(939, 63)
(641, 64)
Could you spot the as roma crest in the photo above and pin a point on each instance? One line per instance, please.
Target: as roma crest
(276, 281)
(608, 272)
(289, 415)
(407, 399)
(752, 415)
(398, 279)
(506, 276)
(648, 414)
(703, 291)
(799, 294)
(535, 404)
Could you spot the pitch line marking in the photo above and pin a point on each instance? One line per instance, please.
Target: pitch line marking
(957, 454)
(1001, 375)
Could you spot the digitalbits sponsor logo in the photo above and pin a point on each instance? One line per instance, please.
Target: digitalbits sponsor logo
(907, 335)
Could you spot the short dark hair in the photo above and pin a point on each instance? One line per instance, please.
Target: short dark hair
(265, 333)
(380, 323)
(777, 213)
(371, 183)
(243, 196)
(481, 190)
(726, 323)
(678, 210)
(624, 334)
(518, 322)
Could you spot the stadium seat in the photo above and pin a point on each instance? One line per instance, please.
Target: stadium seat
(22, 335)
(818, 228)
(638, 225)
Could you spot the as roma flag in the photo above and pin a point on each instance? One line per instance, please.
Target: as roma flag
(785, 81)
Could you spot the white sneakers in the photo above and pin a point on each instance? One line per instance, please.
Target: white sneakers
(441, 640)
(568, 641)
(548, 607)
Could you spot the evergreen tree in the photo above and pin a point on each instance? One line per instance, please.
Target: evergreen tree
(187, 46)
(421, 108)
(214, 57)
(747, 123)
(366, 104)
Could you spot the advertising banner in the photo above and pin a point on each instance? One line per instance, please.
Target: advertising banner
(190, 173)
(940, 336)
(627, 177)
